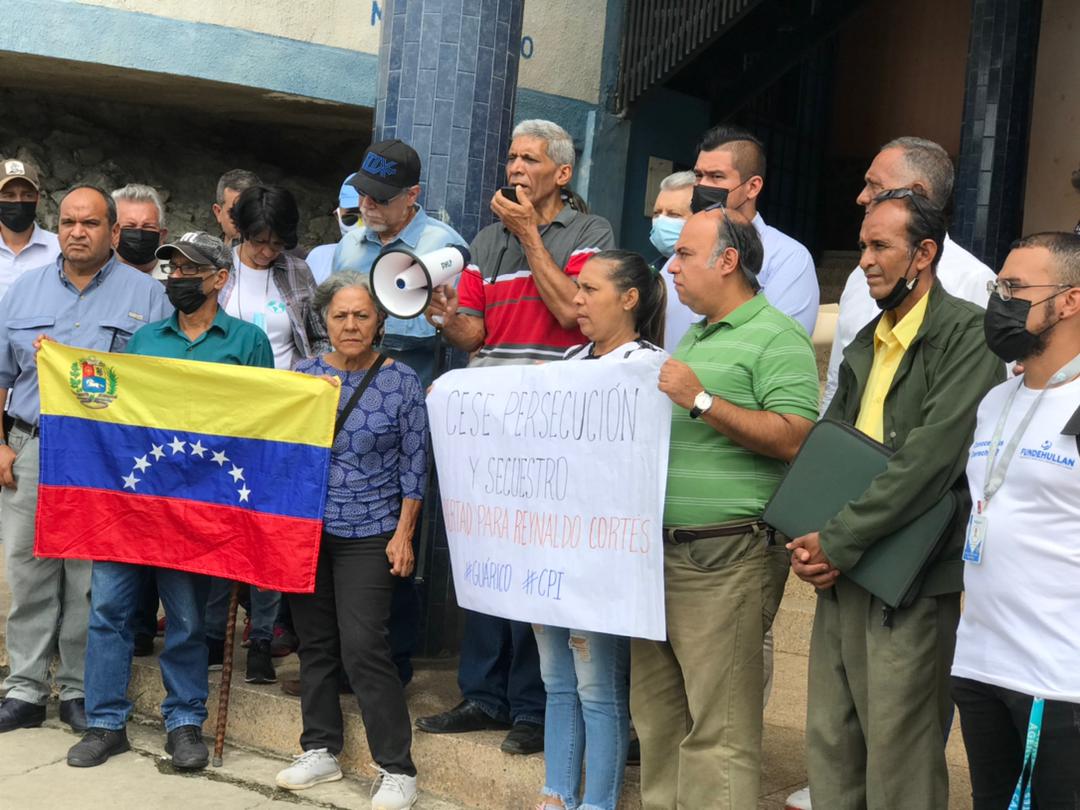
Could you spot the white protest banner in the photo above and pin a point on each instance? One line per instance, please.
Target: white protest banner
(552, 480)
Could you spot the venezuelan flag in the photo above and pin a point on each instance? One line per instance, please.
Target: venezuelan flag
(204, 467)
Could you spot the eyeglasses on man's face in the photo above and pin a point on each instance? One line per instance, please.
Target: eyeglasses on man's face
(188, 269)
(1003, 288)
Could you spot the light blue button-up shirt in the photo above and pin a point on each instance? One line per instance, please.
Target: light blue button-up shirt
(103, 316)
(357, 251)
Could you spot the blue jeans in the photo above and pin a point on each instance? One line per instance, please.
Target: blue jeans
(500, 668)
(114, 595)
(588, 714)
(264, 611)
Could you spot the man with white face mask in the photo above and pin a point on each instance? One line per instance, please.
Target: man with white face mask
(321, 258)
(670, 212)
(388, 186)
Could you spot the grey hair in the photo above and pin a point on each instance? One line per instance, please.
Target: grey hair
(673, 182)
(337, 282)
(931, 165)
(560, 146)
(237, 180)
(751, 251)
(136, 192)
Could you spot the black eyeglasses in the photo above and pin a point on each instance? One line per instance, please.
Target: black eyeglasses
(349, 216)
(920, 202)
(188, 269)
(377, 201)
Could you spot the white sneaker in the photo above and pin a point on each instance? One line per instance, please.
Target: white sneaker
(397, 792)
(308, 769)
(799, 800)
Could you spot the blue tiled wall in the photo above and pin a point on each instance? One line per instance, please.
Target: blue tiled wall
(993, 143)
(447, 80)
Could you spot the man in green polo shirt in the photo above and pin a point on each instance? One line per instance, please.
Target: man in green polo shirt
(198, 267)
(745, 387)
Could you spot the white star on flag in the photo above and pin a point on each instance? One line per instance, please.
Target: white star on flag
(237, 473)
(158, 452)
(141, 463)
(197, 449)
(243, 492)
(130, 481)
(177, 446)
(220, 458)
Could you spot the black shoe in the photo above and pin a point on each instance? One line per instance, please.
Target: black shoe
(260, 666)
(144, 645)
(466, 716)
(96, 746)
(73, 712)
(524, 739)
(216, 657)
(15, 713)
(187, 748)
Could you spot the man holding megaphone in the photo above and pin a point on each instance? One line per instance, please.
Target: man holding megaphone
(515, 304)
(388, 184)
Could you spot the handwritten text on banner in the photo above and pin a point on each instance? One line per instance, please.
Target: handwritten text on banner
(552, 480)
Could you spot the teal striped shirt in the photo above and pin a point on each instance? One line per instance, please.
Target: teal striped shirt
(756, 358)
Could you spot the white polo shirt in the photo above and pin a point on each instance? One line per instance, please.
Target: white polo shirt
(42, 249)
(1018, 630)
(960, 273)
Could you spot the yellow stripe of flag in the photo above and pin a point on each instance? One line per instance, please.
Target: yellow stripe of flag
(186, 395)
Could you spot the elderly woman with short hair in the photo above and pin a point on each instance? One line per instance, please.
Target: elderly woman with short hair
(377, 469)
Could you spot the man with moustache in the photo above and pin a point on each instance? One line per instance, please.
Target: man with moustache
(878, 706)
(86, 298)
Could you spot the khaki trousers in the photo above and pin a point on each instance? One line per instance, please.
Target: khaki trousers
(879, 704)
(696, 698)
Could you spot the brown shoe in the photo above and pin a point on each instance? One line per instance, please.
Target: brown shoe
(290, 686)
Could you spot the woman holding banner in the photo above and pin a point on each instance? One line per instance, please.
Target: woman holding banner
(620, 304)
(378, 466)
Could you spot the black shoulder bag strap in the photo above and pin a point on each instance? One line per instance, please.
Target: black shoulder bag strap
(1072, 428)
(364, 383)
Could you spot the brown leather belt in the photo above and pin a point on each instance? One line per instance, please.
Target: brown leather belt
(688, 535)
(25, 427)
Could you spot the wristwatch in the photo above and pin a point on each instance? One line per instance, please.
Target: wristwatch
(702, 403)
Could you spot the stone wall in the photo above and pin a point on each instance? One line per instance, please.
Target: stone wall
(178, 152)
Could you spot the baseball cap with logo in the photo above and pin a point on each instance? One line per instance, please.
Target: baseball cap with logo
(388, 168)
(18, 170)
(200, 247)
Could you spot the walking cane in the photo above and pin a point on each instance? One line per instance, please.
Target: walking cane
(226, 677)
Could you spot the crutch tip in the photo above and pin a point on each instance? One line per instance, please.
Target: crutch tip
(216, 762)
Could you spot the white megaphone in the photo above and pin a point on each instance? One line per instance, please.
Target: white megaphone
(402, 281)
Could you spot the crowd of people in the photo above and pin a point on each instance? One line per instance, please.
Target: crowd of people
(726, 312)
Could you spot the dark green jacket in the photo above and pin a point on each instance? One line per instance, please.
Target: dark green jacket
(929, 420)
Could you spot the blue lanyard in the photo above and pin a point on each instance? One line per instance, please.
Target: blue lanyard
(1021, 799)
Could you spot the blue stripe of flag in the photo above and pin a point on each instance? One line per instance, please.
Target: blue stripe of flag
(265, 476)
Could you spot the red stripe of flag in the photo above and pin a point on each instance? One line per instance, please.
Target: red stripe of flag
(269, 551)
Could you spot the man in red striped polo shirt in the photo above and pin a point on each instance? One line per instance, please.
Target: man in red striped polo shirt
(514, 304)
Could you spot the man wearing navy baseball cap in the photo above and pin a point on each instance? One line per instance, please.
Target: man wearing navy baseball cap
(388, 186)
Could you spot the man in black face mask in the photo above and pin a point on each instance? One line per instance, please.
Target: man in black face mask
(23, 244)
(141, 215)
(198, 265)
(878, 707)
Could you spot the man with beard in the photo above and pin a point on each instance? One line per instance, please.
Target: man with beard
(1017, 638)
(878, 707)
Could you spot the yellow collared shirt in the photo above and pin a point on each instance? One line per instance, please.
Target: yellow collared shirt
(890, 342)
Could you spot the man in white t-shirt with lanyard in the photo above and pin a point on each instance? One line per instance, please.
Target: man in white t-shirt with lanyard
(1018, 640)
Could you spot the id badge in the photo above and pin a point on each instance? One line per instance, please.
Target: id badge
(976, 537)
